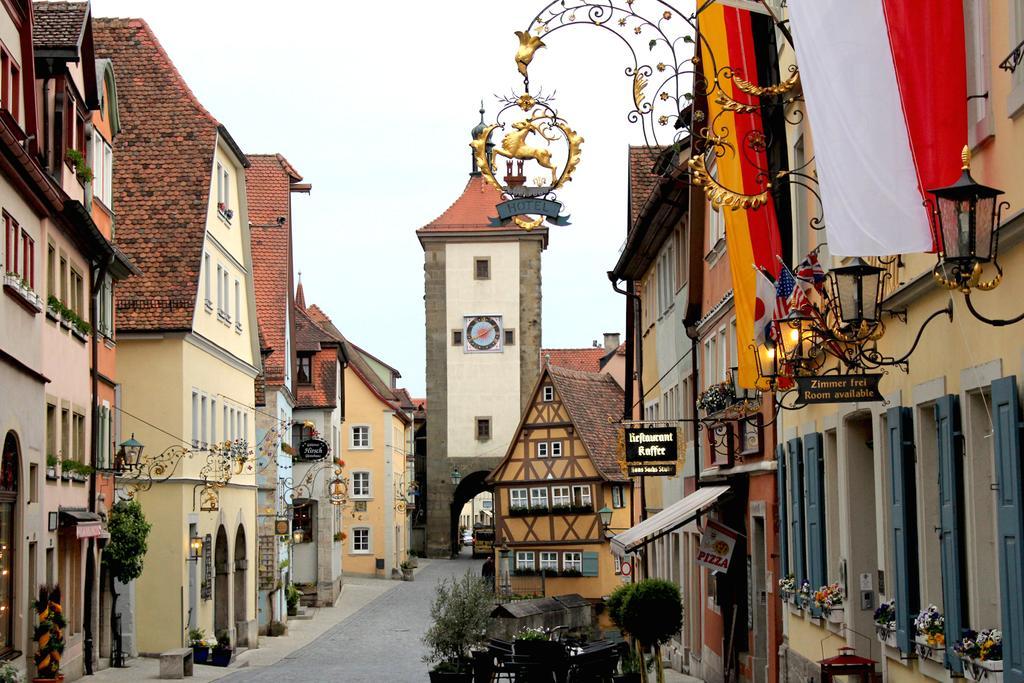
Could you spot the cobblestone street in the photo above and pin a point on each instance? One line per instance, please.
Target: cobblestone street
(380, 642)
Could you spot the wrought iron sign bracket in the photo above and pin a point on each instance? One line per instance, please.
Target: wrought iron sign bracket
(990, 321)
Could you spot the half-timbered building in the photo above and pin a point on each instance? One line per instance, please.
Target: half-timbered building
(559, 472)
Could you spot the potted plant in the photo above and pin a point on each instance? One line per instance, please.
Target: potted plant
(222, 651)
(828, 598)
(51, 466)
(651, 614)
(9, 673)
(461, 610)
(981, 652)
(930, 631)
(407, 568)
(200, 648)
(291, 597)
(787, 588)
(885, 622)
(49, 635)
(82, 170)
(536, 645)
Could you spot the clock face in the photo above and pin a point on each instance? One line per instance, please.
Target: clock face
(483, 333)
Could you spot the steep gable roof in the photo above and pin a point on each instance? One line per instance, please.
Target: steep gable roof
(163, 158)
(268, 189)
(594, 401)
(58, 25)
(311, 338)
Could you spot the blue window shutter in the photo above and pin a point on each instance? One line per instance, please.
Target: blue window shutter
(780, 480)
(903, 515)
(951, 470)
(796, 509)
(589, 564)
(814, 477)
(1006, 426)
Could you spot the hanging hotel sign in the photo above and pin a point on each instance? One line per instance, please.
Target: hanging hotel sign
(542, 143)
(651, 444)
(314, 449)
(716, 546)
(838, 389)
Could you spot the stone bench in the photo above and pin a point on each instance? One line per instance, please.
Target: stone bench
(176, 663)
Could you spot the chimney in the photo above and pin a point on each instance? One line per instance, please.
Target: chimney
(611, 341)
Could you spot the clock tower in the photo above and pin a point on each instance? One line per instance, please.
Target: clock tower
(483, 336)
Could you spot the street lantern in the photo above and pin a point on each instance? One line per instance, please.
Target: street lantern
(456, 476)
(741, 393)
(605, 514)
(857, 287)
(966, 215)
(767, 360)
(795, 334)
(195, 547)
(128, 454)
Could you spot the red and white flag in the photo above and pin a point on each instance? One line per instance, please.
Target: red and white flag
(764, 306)
(885, 83)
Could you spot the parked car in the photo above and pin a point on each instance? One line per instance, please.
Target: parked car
(467, 538)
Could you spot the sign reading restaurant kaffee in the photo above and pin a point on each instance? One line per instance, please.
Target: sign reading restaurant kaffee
(651, 444)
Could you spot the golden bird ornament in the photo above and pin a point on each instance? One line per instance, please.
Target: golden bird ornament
(527, 46)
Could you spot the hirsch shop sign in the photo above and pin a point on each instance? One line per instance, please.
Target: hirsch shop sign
(651, 444)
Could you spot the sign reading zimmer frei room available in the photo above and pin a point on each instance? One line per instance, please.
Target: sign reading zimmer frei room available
(651, 451)
(838, 389)
(716, 546)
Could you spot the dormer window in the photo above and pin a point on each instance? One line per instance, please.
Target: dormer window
(305, 372)
(224, 193)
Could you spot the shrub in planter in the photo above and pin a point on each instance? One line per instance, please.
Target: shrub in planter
(461, 610)
(407, 568)
(277, 628)
(9, 673)
(615, 602)
(652, 613)
(222, 651)
(200, 646)
(49, 634)
(291, 597)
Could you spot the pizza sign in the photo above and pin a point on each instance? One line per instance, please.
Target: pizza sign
(716, 546)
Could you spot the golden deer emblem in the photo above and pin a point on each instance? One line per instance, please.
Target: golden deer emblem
(513, 146)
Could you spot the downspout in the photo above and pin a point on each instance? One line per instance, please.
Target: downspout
(691, 332)
(47, 152)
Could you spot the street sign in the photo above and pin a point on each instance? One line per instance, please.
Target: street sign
(716, 546)
(626, 568)
(651, 444)
(838, 389)
(654, 469)
(314, 449)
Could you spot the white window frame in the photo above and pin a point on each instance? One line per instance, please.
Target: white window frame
(360, 446)
(539, 498)
(518, 499)
(618, 496)
(548, 560)
(548, 393)
(357, 532)
(362, 484)
(586, 499)
(526, 559)
(238, 304)
(572, 560)
(561, 495)
(556, 449)
(542, 449)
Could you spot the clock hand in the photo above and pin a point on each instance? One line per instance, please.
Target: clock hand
(483, 333)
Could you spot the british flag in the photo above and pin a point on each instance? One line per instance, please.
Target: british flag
(810, 273)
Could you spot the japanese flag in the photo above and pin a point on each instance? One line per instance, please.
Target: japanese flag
(764, 306)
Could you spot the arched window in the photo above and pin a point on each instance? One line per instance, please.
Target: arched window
(8, 502)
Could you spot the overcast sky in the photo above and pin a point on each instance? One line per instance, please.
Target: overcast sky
(373, 103)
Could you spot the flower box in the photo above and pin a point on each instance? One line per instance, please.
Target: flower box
(22, 293)
(221, 656)
(988, 670)
(932, 650)
(886, 635)
(200, 654)
(836, 615)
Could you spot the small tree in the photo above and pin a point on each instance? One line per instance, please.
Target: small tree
(615, 602)
(461, 610)
(49, 632)
(126, 549)
(652, 613)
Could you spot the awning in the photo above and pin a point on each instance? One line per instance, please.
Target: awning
(669, 519)
(87, 524)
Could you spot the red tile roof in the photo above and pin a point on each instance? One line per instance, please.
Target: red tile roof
(642, 179)
(594, 402)
(268, 189)
(162, 159)
(471, 212)
(310, 337)
(585, 360)
(58, 24)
